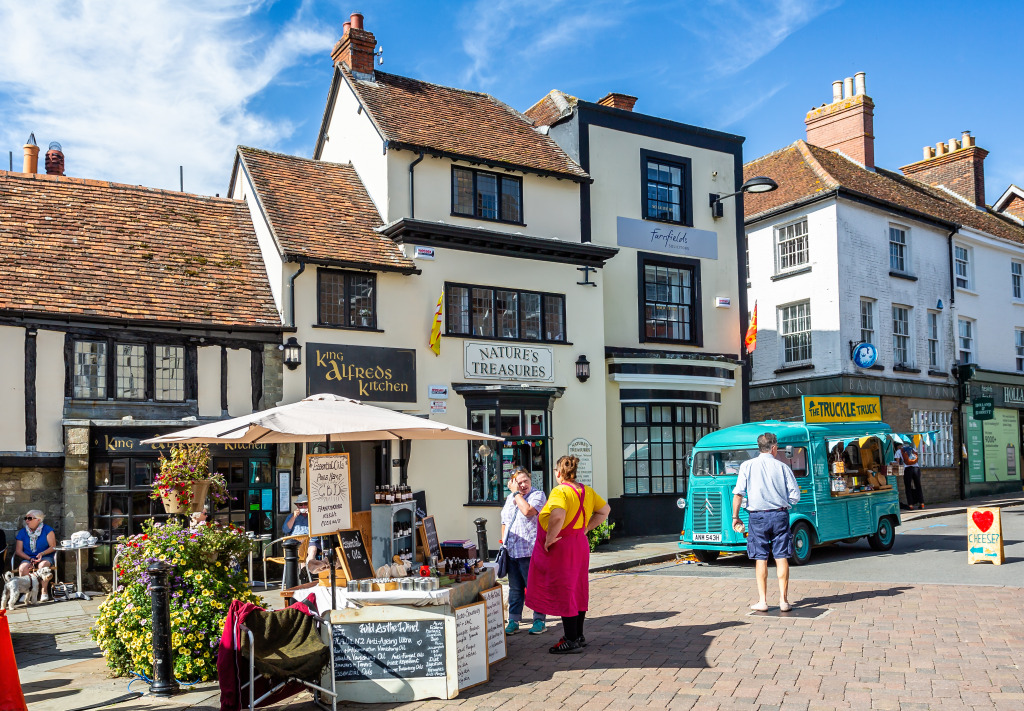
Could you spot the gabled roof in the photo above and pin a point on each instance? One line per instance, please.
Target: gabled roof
(456, 123)
(320, 212)
(91, 249)
(1007, 197)
(555, 106)
(805, 172)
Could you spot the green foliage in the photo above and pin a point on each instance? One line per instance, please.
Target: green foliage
(188, 464)
(209, 571)
(599, 535)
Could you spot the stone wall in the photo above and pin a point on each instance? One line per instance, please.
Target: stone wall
(24, 488)
(273, 376)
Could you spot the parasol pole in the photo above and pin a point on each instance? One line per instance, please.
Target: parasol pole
(330, 550)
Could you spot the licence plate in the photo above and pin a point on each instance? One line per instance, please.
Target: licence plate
(707, 537)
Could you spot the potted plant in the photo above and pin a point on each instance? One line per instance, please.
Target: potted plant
(185, 480)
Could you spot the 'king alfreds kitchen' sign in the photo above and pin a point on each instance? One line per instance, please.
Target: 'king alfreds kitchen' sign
(667, 239)
(361, 372)
(496, 361)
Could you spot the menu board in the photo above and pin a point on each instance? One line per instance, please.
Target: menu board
(355, 560)
(496, 649)
(471, 644)
(428, 537)
(389, 650)
(329, 487)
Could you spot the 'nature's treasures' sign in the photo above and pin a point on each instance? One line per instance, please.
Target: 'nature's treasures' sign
(496, 361)
(361, 372)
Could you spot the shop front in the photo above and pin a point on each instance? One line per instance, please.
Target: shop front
(992, 426)
(121, 474)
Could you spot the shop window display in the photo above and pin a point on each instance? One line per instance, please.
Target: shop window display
(527, 441)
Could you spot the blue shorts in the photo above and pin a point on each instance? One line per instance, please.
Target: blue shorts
(769, 530)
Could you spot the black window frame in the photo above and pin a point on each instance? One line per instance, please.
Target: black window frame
(645, 259)
(448, 285)
(712, 424)
(346, 276)
(189, 371)
(476, 208)
(685, 188)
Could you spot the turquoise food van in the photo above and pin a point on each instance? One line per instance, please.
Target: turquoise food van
(841, 454)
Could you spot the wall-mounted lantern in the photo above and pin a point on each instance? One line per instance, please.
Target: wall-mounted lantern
(292, 353)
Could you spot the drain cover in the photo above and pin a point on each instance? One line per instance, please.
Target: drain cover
(806, 613)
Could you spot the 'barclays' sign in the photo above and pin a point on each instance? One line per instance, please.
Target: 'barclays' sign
(667, 239)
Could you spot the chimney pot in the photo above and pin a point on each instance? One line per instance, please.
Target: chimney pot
(859, 83)
(929, 152)
(846, 127)
(346, 27)
(356, 47)
(356, 20)
(940, 149)
(54, 159)
(954, 145)
(847, 87)
(30, 164)
(966, 139)
(837, 91)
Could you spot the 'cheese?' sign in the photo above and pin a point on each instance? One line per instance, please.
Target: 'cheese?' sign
(496, 361)
(841, 408)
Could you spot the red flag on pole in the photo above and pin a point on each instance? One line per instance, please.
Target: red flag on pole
(751, 339)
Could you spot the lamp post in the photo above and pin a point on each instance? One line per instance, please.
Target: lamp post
(163, 683)
(757, 184)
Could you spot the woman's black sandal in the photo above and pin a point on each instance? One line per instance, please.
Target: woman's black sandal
(564, 646)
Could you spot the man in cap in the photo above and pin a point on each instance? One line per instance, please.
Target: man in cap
(298, 525)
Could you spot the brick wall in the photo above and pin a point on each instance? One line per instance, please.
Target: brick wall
(962, 171)
(846, 126)
(1015, 207)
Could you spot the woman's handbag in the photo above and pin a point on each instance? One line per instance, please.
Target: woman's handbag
(501, 560)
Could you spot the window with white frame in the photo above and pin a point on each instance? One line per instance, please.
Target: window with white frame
(795, 321)
(867, 320)
(966, 331)
(940, 452)
(1018, 335)
(898, 261)
(901, 343)
(934, 362)
(791, 248)
(1015, 279)
(962, 267)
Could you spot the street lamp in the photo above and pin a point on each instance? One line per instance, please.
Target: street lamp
(757, 184)
(292, 353)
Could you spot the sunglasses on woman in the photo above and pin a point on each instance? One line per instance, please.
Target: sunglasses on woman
(30, 518)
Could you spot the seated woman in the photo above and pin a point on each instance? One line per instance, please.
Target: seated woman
(35, 547)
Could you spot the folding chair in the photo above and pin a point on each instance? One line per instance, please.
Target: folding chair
(303, 550)
(271, 656)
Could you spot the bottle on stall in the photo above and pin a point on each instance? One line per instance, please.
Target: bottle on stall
(376, 495)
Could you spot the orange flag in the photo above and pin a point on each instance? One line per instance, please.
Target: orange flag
(435, 326)
(751, 339)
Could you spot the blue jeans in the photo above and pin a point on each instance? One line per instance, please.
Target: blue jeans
(518, 572)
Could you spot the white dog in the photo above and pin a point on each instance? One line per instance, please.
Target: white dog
(30, 585)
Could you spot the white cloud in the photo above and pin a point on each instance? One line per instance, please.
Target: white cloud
(745, 104)
(134, 89)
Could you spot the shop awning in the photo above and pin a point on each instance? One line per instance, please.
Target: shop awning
(896, 438)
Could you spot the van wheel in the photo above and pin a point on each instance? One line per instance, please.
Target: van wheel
(801, 543)
(884, 537)
(706, 556)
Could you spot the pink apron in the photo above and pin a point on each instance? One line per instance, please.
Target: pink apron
(559, 584)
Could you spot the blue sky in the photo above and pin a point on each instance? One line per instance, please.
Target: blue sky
(134, 89)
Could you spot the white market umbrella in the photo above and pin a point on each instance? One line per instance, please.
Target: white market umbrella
(319, 417)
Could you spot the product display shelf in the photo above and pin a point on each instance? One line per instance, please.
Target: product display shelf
(386, 539)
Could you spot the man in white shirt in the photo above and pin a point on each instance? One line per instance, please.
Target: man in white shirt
(770, 488)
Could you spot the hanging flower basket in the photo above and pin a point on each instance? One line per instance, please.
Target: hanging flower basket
(185, 480)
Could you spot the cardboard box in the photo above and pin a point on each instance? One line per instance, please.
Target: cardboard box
(458, 552)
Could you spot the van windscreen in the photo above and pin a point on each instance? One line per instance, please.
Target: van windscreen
(724, 463)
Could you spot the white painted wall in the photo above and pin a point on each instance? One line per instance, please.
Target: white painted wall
(49, 391)
(239, 382)
(352, 138)
(209, 381)
(242, 189)
(12, 389)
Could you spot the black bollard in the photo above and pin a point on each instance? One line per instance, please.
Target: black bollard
(481, 539)
(290, 579)
(164, 683)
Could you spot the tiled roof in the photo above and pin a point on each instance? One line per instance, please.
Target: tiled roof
(554, 106)
(803, 171)
(93, 249)
(456, 122)
(321, 211)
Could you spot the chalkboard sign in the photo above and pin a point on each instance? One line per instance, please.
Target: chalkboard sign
(408, 649)
(428, 537)
(329, 486)
(496, 650)
(471, 644)
(355, 559)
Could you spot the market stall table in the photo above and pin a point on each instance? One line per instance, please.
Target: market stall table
(79, 594)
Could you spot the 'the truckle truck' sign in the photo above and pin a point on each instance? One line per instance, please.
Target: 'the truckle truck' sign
(497, 361)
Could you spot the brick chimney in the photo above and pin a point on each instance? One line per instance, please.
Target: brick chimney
(618, 101)
(31, 149)
(54, 159)
(355, 48)
(958, 165)
(847, 124)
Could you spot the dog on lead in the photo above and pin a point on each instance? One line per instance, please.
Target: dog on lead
(30, 586)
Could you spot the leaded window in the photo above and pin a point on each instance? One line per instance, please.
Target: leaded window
(169, 372)
(347, 299)
(509, 314)
(130, 371)
(487, 196)
(90, 370)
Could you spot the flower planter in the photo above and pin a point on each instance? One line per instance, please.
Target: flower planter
(177, 500)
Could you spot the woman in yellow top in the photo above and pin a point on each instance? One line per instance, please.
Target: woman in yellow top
(559, 583)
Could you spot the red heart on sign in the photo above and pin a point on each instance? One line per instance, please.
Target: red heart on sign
(983, 520)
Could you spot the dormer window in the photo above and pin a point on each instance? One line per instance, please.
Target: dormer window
(487, 196)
